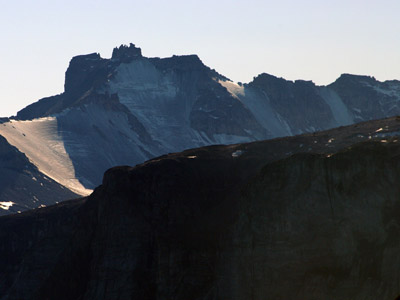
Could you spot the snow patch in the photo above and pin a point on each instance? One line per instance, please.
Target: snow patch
(233, 88)
(285, 124)
(338, 108)
(6, 205)
(44, 147)
(237, 153)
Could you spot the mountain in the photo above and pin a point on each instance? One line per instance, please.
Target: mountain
(130, 108)
(314, 216)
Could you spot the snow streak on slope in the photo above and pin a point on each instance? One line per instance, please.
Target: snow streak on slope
(163, 105)
(260, 107)
(235, 89)
(147, 94)
(98, 138)
(338, 108)
(40, 142)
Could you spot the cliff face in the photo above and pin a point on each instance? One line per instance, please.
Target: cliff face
(223, 222)
(31, 245)
(317, 227)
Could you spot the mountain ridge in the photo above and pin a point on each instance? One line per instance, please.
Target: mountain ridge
(129, 108)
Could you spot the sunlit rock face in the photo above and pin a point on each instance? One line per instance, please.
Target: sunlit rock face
(130, 108)
(247, 221)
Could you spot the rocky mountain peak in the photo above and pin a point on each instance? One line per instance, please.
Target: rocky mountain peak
(80, 69)
(126, 54)
(267, 80)
(351, 78)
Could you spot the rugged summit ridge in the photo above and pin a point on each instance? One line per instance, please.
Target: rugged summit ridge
(125, 54)
(130, 108)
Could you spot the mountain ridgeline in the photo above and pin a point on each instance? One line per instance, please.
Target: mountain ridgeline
(130, 108)
(307, 213)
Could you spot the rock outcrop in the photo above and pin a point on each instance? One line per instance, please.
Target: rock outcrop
(125, 54)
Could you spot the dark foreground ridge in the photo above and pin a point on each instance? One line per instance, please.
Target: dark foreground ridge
(247, 221)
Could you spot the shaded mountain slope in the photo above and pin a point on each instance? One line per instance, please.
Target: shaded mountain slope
(247, 221)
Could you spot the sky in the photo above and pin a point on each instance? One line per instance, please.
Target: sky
(295, 39)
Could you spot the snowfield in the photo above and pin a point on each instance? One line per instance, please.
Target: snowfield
(42, 143)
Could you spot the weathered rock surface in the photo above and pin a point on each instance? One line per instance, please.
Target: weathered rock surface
(247, 221)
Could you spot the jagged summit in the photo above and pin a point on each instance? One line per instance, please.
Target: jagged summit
(90, 73)
(126, 54)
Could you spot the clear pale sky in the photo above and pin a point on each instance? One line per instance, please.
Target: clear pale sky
(296, 39)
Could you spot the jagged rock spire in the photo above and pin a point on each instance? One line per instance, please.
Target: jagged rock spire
(126, 53)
